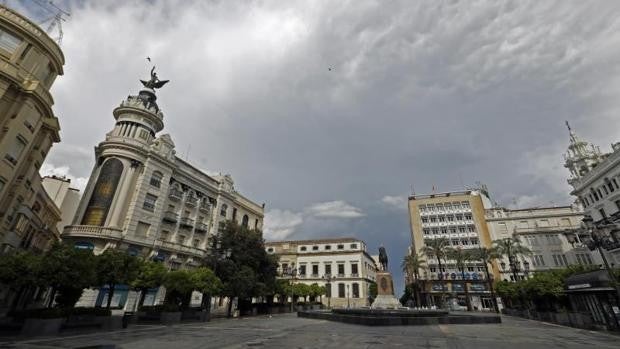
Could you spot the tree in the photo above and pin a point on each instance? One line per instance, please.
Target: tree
(67, 271)
(372, 291)
(19, 271)
(411, 265)
(512, 249)
(247, 270)
(116, 268)
(437, 248)
(150, 274)
(179, 286)
(207, 283)
(317, 291)
(487, 256)
(460, 257)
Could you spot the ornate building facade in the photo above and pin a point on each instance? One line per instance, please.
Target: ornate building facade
(144, 199)
(553, 234)
(595, 178)
(30, 61)
(342, 265)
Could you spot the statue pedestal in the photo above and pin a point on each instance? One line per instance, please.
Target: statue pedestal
(385, 292)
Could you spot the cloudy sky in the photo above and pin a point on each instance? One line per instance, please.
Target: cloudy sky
(330, 111)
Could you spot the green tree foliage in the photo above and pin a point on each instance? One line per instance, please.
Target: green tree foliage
(150, 275)
(407, 296)
(19, 271)
(461, 257)
(438, 249)
(411, 265)
(114, 268)
(373, 290)
(247, 271)
(179, 286)
(206, 282)
(317, 291)
(67, 271)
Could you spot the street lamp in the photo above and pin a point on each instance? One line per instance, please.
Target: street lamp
(600, 237)
(328, 286)
(291, 273)
(526, 269)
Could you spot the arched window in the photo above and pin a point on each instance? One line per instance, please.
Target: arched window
(156, 178)
(244, 220)
(223, 210)
(103, 193)
(356, 290)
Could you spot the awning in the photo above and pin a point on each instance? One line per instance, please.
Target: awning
(593, 281)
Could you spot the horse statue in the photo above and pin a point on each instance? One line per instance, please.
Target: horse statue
(383, 258)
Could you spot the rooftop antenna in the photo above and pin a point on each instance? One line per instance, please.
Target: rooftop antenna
(56, 20)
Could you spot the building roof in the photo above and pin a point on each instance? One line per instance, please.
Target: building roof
(314, 241)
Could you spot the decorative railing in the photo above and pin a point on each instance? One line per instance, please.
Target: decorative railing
(175, 194)
(186, 222)
(170, 216)
(202, 227)
(179, 248)
(92, 231)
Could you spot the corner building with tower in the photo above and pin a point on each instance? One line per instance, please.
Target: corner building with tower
(145, 200)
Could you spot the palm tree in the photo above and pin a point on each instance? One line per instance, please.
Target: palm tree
(411, 265)
(512, 249)
(487, 256)
(460, 257)
(437, 248)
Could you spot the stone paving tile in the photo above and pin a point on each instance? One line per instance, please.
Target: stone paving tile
(287, 331)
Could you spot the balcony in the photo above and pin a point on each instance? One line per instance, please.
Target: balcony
(202, 227)
(175, 194)
(92, 231)
(170, 217)
(204, 206)
(187, 222)
(177, 248)
(191, 201)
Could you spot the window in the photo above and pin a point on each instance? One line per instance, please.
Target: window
(447, 206)
(9, 42)
(426, 231)
(354, 269)
(455, 242)
(340, 269)
(353, 246)
(149, 202)
(156, 178)
(16, 150)
(356, 290)
(270, 249)
(302, 270)
(468, 216)
(452, 230)
(443, 230)
(315, 248)
(450, 218)
(196, 242)
(340, 247)
(424, 219)
(328, 247)
(328, 269)
(303, 248)
(181, 239)
(223, 210)
(245, 220)
(144, 134)
(256, 224)
(435, 230)
(462, 229)
(474, 241)
(341, 290)
(459, 217)
(234, 216)
(315, 269)
(456, 205)
(164, 235)
(465, 204)
(442, 218)
(471, 228)
(433, 219)
(142, 230)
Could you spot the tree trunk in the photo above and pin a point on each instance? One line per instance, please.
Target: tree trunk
(110, 294)
(493, 298)
(467, 301)
(142, 297)
(442, 283)
(230, 302)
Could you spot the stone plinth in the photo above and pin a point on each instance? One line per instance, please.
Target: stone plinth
(385, 292)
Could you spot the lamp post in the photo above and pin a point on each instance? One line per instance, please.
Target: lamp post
(328, 287)
(291, 273)
(599, 238)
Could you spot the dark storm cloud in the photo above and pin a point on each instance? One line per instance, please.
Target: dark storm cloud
(340, 104)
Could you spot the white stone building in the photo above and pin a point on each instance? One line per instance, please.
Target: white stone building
(345, 260)
(144, 199)
(551, 233)
(595, 178)
(64, 196)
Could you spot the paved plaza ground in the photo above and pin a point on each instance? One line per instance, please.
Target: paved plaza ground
(288, 331)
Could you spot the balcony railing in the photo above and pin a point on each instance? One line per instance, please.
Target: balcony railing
(170, 216)
(187, 222)
(202, 227)
(179, 248)
(191, 201)
(92, 231)
(175, 194)
(204, 206)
